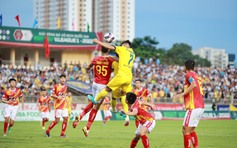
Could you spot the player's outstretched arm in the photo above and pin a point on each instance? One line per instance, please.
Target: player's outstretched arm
(133, 113)
(103, 44)
(55, 96)
(149, 105)
(89, 67)
(5, 101)
(190, 88)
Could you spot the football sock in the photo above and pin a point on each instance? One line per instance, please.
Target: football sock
(133, 143)
(113, 103)
(136, 122)
(64, 127)
(194, 139)
(86, 110)
(145, 141)
(68, 119)
(5, 127)
(187, 141)
(51, 126)
(106, 119)
(43, 121)
(11, 124)
(124, 104)
(91, 118)
(102, 94)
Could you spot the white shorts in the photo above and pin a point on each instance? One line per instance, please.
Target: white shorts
(61, 112)
(107, 113)
(148, 124)
(44, 115)
(10, 111)
(192, 117)
(97, 88)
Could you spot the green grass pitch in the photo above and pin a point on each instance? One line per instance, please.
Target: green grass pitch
(166, 134)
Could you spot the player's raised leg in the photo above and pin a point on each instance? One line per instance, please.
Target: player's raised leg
(5, 125)
(91, 119)
(83, 113)
(125, 108)
(134, 141)
(47, 132)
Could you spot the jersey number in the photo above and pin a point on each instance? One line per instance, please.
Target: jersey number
(102, 70)
(200, 85)
(131, 58)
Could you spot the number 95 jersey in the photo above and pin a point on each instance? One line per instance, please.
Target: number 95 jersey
(102, 69)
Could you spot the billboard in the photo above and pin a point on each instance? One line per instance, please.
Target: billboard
(18, 36)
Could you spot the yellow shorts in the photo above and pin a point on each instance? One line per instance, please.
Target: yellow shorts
(120, 81)
(117, 93)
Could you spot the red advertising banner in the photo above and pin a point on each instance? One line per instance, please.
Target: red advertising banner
(163, 106)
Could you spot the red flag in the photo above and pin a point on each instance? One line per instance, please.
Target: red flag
(46, 46)
(18, 20)
(73, 24)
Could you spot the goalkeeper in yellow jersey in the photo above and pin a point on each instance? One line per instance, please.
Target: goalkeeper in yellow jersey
(124, 77)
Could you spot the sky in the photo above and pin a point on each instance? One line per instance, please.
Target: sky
(199, 23)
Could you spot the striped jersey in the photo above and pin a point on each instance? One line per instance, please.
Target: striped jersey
(142, 115)
(13, 96)
(60, 90)
(194, 99)
(43, 103)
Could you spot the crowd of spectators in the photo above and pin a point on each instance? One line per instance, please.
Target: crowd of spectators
(163, 81)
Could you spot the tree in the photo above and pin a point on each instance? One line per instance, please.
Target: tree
(145, 47)
(179, 53)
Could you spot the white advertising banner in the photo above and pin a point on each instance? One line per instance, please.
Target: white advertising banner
(31, 113)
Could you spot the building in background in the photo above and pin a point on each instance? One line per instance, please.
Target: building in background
(231, 61)
(217, 57)
(116, 16)
(63, 14)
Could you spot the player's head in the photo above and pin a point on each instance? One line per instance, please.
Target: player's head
(126, 43)
(69, 94)
(138, 83)
(105, 50)
(62, 79)
(43, 91)
(189, 65)
(12, 82)
(130, 98)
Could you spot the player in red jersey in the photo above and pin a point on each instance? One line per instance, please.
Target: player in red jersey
(194, 103)
(11, 98)
(142, 95)
(107, 112)
(43, 104)
(60, 106)
(102, 71)
(146, 120)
